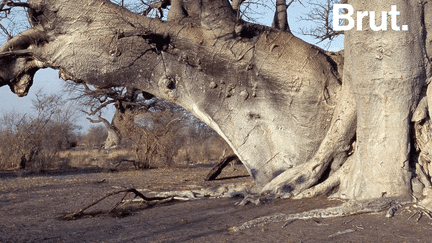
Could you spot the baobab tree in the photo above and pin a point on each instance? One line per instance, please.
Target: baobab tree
(128, 104)
(303, 121)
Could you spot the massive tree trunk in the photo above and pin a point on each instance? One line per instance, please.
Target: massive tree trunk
(387, 70)
(279, 102)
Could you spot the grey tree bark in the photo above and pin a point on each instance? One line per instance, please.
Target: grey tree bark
(388, 71)
(280, 19)
(113, 139)
(280, 103)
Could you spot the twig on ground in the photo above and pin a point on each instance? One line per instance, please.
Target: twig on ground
(118, 203)
(342, 232)
(288, 222)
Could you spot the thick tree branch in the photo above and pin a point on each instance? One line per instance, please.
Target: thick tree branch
(4, 2)
(17, 4)
(17, 53)
(280, 20)
(236, 6)
(321, 15)
(218, 17)
(217, 169)
(25, 39)
(9, 36)
(177, 11)
(100, 119)
(113, 138)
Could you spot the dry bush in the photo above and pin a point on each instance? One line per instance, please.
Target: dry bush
(200, 145)
(95, 137)
(170, 135)
(155, 131)
(95, 157)
(32, 142)
(154, 138)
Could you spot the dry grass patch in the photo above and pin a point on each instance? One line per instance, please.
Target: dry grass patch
(95, 157)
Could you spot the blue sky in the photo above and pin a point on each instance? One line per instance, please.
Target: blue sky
(48, 80)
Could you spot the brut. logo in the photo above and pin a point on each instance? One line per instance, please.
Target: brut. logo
(362, 14)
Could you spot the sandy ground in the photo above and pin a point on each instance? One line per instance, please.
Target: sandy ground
(31, 208)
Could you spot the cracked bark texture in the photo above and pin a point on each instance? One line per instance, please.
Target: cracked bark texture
(279, 102)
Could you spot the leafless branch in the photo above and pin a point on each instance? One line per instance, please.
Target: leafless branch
(321, 15)
(4, 2)
(100, 119)
(11, 4)
(17, 4)
(6, 32)
(99, 108)
(158, 5)
(289, 4)
(246, 9)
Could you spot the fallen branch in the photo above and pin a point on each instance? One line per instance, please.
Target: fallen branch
(145, 199)
(215, 171)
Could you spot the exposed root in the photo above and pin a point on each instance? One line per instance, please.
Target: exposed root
(287, 223)
(419, 214)
(250, 199)
(155, 198)
(320, 189)
(335, 146)
(291, 182)
(301, 182)
(229, 190)
(328, 185)
(217, 169)
(346, 209)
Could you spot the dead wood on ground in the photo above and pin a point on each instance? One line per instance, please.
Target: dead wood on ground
(147, 200)
(213, 173)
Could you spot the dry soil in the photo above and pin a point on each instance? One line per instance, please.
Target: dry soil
(31, 208)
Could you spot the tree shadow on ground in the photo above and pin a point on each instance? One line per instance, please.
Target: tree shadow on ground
(231, 177)
(62, 172)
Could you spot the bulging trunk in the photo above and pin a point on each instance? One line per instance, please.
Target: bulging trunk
(270, 95)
